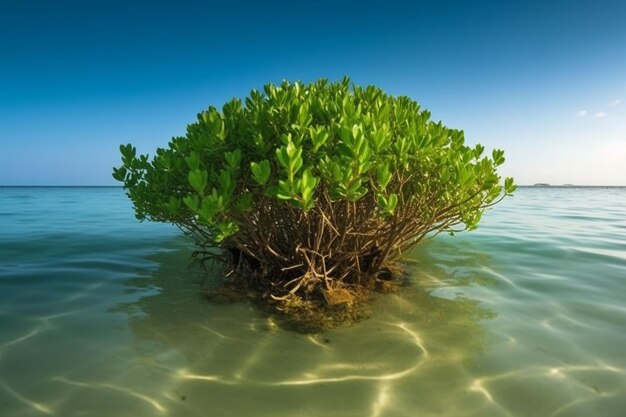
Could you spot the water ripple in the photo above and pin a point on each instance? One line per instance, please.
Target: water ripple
(102, 315)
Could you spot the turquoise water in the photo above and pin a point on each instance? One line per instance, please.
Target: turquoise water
(101, 315)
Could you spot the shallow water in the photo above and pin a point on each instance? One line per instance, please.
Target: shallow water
(101, 315)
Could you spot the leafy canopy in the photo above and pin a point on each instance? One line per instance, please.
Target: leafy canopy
(294, 139)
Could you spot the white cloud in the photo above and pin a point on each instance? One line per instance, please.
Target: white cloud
(581, 113)
(600, 115)
(615, 103)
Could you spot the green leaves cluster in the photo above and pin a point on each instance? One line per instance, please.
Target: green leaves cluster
(292, 143)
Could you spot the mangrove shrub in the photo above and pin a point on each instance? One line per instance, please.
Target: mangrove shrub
(309, 192)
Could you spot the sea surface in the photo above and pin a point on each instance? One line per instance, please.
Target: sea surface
(101, 315)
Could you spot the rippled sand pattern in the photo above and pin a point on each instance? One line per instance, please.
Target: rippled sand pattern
(524, 317)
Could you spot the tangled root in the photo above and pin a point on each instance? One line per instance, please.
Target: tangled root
(312, 310)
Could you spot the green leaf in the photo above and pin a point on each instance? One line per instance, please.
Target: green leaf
(286, 138)
(387, 204)
(198, 180)
(356, 191)
(283, 157)
(173, 205)
(392, 202)
(128, 151)
(498, 157)
(192, 201)
(307, 185)
(284, 190)
(282, 196)
(120, 173)
(348, 107)
(211, 206)
(304, 117)
(357, 133)
(218, 127)
(260, 143)
(509, 186)
(319, 136)
(290, 158)
(478, 150)
(193, 161)
(293, 151)
(383, 175)
(382, 201)
(346, 151)
(345, 134)
(261, 172)
(233, 158)
(225, 230)
(294, 165)
(364, 153)
(308, 179)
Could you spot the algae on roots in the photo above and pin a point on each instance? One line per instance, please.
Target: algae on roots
(321, 311)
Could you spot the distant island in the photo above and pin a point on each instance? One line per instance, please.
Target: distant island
(545, 184)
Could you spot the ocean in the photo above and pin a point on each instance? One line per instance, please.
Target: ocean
(101, 315)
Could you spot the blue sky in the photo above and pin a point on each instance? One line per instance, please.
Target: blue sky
(545, 80)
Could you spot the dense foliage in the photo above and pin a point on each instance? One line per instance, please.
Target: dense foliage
(309, 191)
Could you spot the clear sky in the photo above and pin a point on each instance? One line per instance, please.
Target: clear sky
(544, 80)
